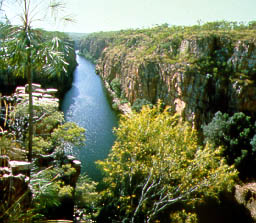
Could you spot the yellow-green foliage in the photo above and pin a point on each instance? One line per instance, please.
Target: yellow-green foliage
(183, 217)
(86, 195)
(69, 132)
(66, 191)
(157, 161)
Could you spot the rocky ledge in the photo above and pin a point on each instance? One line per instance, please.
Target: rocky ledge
(15, 171)
(40, 95)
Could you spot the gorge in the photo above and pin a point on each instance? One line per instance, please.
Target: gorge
(197, 72)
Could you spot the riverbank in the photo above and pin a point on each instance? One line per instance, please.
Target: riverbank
(124, 108)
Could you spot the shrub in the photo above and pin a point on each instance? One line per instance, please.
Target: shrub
(86, 196)
(237, 134)
(139, 103)
(116, 87)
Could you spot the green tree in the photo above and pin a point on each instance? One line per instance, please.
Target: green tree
(236, 134)
(27, 52)
(86, 196)
(139, 103)
(116, 87)
(52, 134)
(155, 163)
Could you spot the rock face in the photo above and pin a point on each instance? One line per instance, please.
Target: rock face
(66, 209)
(14, 187)
(246, 195)
(212, 73)
(90, 47)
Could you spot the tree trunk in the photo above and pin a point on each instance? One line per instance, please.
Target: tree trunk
(30, 121)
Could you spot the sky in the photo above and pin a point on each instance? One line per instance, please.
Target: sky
(110, 15)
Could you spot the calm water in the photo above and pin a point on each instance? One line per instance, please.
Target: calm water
(86, 103)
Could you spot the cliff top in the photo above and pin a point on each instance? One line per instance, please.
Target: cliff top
(234, 30)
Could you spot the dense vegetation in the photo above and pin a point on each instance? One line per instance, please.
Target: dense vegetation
(237, 134)
(163, 42)
(49, 183)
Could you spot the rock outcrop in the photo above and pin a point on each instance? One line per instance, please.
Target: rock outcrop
(15, 171)
(39, 95)
(246, 195)
(14, 187)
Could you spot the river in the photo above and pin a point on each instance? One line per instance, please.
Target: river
(87, 104)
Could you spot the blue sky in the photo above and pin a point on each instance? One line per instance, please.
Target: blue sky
(106, 15)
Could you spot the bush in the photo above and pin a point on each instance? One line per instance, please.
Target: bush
(115, 106)
(237, 134)
(139, 103)
(116, 87)
(86, 196)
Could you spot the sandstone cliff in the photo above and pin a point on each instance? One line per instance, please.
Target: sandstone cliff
(197, 72)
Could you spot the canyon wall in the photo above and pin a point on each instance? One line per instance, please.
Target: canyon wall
(196, 73)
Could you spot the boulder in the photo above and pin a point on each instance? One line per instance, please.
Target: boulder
(20, 167)
(20, 90)
(40, 90)
(17, 154)
(4, 171)
(34, 87)
(36, 94)
(48, 96)
(51, 91)
(45, 160)
(246, 195)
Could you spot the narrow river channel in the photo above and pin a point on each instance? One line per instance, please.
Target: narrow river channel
(87, 104)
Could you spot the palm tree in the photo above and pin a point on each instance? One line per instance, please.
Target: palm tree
(27, 51)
